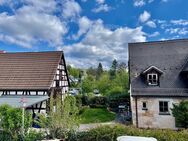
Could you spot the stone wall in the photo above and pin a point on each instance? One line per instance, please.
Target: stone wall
(151, 118)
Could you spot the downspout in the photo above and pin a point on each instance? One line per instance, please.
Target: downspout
(136, 106)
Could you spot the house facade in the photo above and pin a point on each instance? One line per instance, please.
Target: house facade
(158, 73)
(31, 78)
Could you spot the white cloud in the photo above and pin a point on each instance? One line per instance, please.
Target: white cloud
(70, 9)
(101, 44)
(151, 24)
(102, 7)
(144, 16)
(31, 24)
(42, 5)
(154, 34)
(140, 3)
(180, 31)
(180, 22)
(100, 1)
(84, 24)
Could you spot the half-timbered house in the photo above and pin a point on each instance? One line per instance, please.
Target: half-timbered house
(31, 78)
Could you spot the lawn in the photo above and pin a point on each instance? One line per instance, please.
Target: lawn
(96, 115)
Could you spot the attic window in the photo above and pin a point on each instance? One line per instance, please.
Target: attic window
(152, 79)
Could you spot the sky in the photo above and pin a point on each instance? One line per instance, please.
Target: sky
(89, 31)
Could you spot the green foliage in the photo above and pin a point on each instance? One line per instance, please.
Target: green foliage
(115, 90)
(88, 84)
(99, 71)
(91, 71)
(110, 133)
(63, 119)
(73, 71)
(180, 112)
(115, 100)
(98, 101)
(113, 69)
(104, 84)
(110, 81)
(33, 135)
(96, 115)
(11, 121)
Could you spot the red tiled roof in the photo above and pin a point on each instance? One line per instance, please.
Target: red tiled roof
(28, 70)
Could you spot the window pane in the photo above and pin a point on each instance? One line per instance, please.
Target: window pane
(152, 79)
(154, 76)
(163, 106)
(149, 76)
(165, 109)
(144, 104)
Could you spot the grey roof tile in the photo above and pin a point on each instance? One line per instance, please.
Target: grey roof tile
(168, 56)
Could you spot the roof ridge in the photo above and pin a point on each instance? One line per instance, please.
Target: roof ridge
(31, 52)
(161, 41)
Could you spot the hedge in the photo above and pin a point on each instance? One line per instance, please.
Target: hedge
(110, 133)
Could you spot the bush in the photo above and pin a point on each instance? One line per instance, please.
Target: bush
(11, 121)
(180, 112)
(115, 100)
(97, 106)
(5, 136)
(33, 135)
(62, 120)
(110, 133)
(115, 90)
(101, 100)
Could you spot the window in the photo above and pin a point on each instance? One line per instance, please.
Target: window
(152, 79)
(144, 106)
(163, 107)
(57, 83)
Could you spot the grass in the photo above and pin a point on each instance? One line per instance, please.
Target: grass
(96, 115)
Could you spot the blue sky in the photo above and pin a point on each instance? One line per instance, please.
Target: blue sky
(89, 31)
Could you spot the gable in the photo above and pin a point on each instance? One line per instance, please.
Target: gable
(152, 69)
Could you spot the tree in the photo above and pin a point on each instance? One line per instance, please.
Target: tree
(88, 84)
(104, 84)
(113, 69)
(11, 121)
(99, 71)
(91, 71)
(73, 71)
(62, 118)
(180, 112)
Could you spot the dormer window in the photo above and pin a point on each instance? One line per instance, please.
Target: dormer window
(152, 75)
(152, 79)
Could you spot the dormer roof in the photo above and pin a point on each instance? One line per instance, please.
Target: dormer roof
(152, 68)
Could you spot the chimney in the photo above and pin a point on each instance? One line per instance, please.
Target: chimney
(2, 51)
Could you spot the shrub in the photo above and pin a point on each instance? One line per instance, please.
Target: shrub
(110, 133)
(62, 120)
(33, 135)
(115, 100)
(101, 100)
(180, 112)
(11, 121)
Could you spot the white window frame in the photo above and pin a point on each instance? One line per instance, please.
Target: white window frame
(152, 76)
(163, 107)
